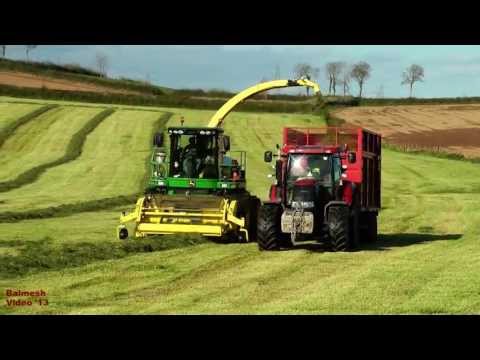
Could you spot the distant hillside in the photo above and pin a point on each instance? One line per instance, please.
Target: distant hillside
(70, 77)
(75, 83)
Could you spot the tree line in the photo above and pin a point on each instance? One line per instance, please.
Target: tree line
(340, 76)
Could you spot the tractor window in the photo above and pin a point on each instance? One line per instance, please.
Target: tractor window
(337, 169)
(317, 166)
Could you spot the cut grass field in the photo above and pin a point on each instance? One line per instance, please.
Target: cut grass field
(42, 140)
(426, 260)
(112, 163)
(10, 112)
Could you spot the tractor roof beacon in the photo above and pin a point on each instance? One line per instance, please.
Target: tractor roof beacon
(327, 189)
(197, 185)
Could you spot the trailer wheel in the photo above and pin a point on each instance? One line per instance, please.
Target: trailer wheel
(268, 227)
(371, 231)
(339, 228)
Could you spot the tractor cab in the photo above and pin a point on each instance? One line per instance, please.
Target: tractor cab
(199, 159)
(310, 177)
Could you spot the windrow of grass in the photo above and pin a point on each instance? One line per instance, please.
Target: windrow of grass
(74, 149)
(9, 113)
(9, 127)
(111, 165)
(42, 140)
(36, 246)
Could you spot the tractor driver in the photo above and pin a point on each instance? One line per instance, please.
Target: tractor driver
(319, 168)
(191, 160)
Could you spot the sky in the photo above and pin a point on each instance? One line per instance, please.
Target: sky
(450, 70)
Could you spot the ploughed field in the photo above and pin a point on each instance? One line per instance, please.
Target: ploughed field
(451, 128)
(57, 226)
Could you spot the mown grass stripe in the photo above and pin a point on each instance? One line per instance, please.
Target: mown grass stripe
(68, 209)
(87, 206)
(74, 150)
(8, 130)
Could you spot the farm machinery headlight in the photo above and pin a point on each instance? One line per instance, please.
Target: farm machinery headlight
(206, 132)
(303, 204)
(180, 132)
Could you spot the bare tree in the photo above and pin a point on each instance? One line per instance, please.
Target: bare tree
(305, 70)
(4, 49)
(333, 70)
(29, 48)
(102, 63)
(411, 75)
(345, 79)
(361, 72)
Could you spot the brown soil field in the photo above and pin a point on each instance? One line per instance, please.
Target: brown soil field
(35, 81)
(451, 128)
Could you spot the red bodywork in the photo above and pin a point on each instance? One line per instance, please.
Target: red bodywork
(364, 173)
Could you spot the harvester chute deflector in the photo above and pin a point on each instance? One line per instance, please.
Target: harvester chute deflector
(196, 186)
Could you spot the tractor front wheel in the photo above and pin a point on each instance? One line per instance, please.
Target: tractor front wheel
(268, 227)
(339, 228)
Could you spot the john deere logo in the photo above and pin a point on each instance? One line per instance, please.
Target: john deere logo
(192, 183)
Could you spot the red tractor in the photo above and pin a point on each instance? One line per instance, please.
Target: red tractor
(327, 189)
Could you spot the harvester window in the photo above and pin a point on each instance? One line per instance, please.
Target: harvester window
(194, 156)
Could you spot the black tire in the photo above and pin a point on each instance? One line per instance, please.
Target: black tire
(371, 230)
(251, 218)
(248, 209)
(158, 139)
(355, 233)
(268, 227)
(123, 234)
(368, 227)
(339, 228)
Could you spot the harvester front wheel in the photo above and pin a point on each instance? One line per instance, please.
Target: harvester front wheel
(339, 228)
(122, 233)
(268, 227)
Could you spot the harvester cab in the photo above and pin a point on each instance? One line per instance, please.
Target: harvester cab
(197, 184)
(200, 162)
(327, 189)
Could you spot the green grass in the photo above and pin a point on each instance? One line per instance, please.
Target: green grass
(73, 151)
(426, 260)
(11, 112)
(41, 141)
(112, 163)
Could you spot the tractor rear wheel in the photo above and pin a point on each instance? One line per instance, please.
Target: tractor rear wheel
(339, 228)
(268, 227)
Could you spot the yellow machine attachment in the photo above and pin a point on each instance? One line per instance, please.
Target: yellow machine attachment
(169, 214)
